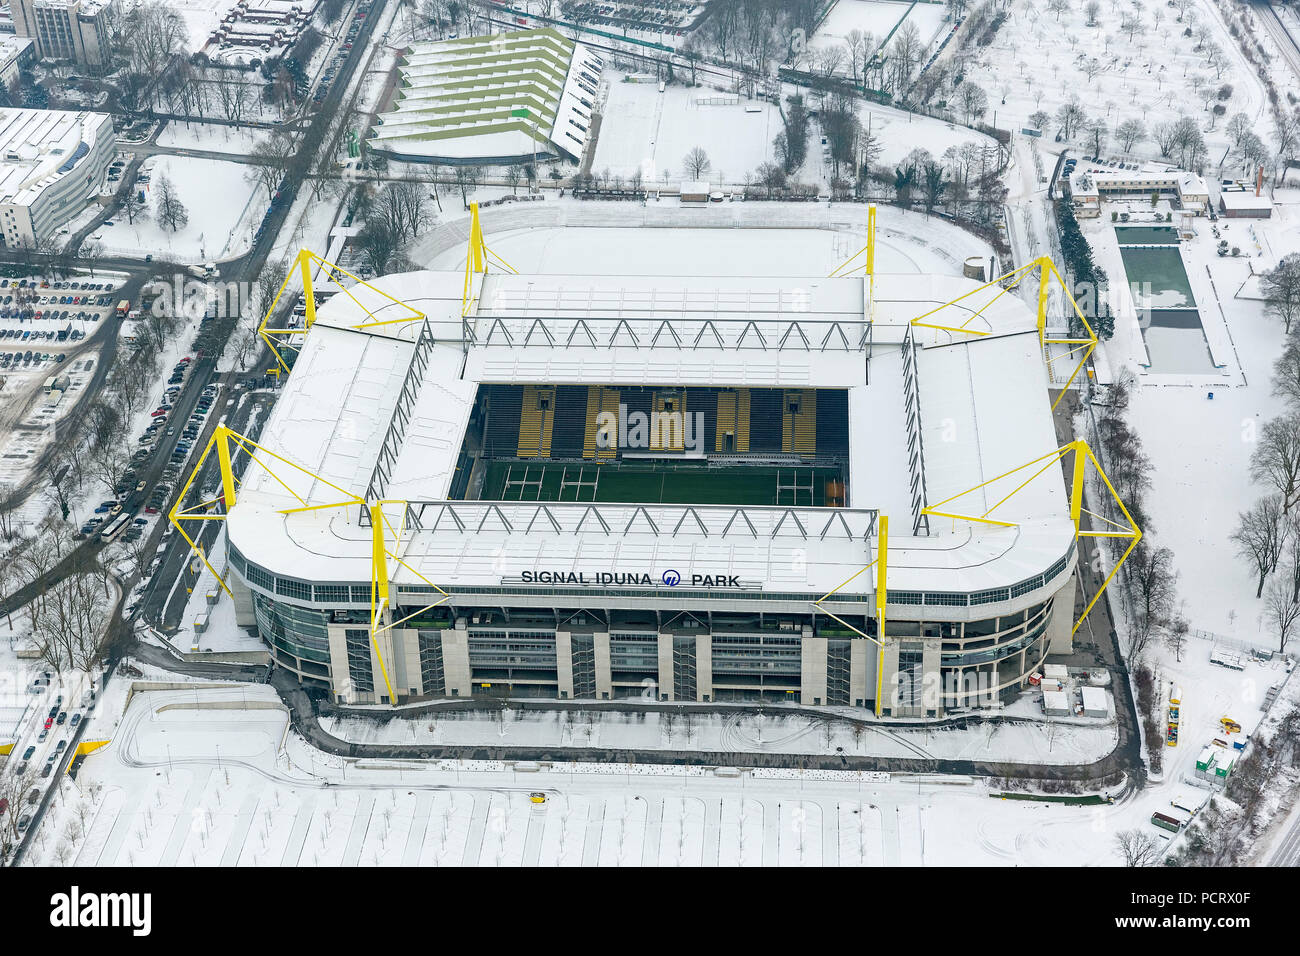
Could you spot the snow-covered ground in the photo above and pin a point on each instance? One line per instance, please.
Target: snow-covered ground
(216, 137)
(878, 18)
(1199, 486)
(651, 132)
(223, 205)
(1038, 62)
(201, 17)
(184, 785)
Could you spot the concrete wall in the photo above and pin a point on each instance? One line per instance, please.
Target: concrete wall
(455, 660)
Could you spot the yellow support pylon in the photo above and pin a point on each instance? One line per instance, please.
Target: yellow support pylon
(228, 443)
(880, 563)
(1083, 455)
(476, 260)
(302, 265)
(869, 265)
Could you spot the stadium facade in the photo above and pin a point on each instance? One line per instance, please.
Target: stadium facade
(670, 487)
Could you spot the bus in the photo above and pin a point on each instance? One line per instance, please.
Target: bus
(1166, 822)
(115, 528)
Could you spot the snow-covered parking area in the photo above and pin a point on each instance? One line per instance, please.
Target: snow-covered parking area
(210, 777)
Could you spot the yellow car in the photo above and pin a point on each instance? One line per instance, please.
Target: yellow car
(537, 797)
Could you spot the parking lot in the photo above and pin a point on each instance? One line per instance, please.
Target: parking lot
(53, 714)
(40, 318)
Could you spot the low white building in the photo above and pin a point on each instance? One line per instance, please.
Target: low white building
(1089, 187)
(1056, 703)
(1244, 204)
(1095, 703)
(51, 163)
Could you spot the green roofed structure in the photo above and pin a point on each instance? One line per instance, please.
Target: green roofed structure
(512, 97)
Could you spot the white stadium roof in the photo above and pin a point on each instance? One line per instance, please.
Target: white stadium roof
(984, 410)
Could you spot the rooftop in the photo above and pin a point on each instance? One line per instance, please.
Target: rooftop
(37, 145)
(496, 96)
(983, 411)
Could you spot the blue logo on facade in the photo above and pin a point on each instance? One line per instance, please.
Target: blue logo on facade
(672, 578)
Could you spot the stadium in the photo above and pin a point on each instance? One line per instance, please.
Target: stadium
(673, 487)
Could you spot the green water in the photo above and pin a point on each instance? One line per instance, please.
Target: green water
(1147, 235)
(1158, 278)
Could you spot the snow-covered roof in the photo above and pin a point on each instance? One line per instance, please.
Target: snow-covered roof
(983, 410)
(38, 147)
(492, 97)
(1094, 698)
(1244, 200)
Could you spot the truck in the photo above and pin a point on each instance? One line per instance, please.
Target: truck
(123, 307)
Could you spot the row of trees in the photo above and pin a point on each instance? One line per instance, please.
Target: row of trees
(1089, 280)
(1268, 534)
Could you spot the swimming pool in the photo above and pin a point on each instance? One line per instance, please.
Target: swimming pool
(1159, 276)
(1146, 235)
(1167, 313)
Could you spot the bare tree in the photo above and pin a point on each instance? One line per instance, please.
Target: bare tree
(1281, 288)
(1153, 579)
(14, 788)
(270, 160)
(170, 212)
(1130, 132)
(1281, 610)
(1138, 847)
(696, 163)
(1070, 116)
(1176, 635)
(1259, 536)
(1276, 459)
(70, 625)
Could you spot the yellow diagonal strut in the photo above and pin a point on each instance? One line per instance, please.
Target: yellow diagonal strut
(476, 260)
(1046, 272)
(1083, 456)
(880, 563)
(228, 444)
(302, 266)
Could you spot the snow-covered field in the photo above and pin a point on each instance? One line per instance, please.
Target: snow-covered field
(224, 208)
(1198, 487)
(201, 18)
(652, 132)
(186, 786)
(879, 18)
(216, 137)
(1038, 62)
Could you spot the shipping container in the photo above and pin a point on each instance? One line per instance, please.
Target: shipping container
(1166, 822)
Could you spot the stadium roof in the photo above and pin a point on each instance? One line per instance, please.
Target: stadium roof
(983, 403)
(502, 97)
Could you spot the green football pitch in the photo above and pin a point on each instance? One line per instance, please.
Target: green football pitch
(657, 484)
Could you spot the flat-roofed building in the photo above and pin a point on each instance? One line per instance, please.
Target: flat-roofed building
(51, 163)
(66, 29)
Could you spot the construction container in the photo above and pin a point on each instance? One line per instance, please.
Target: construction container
(1206, 760)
